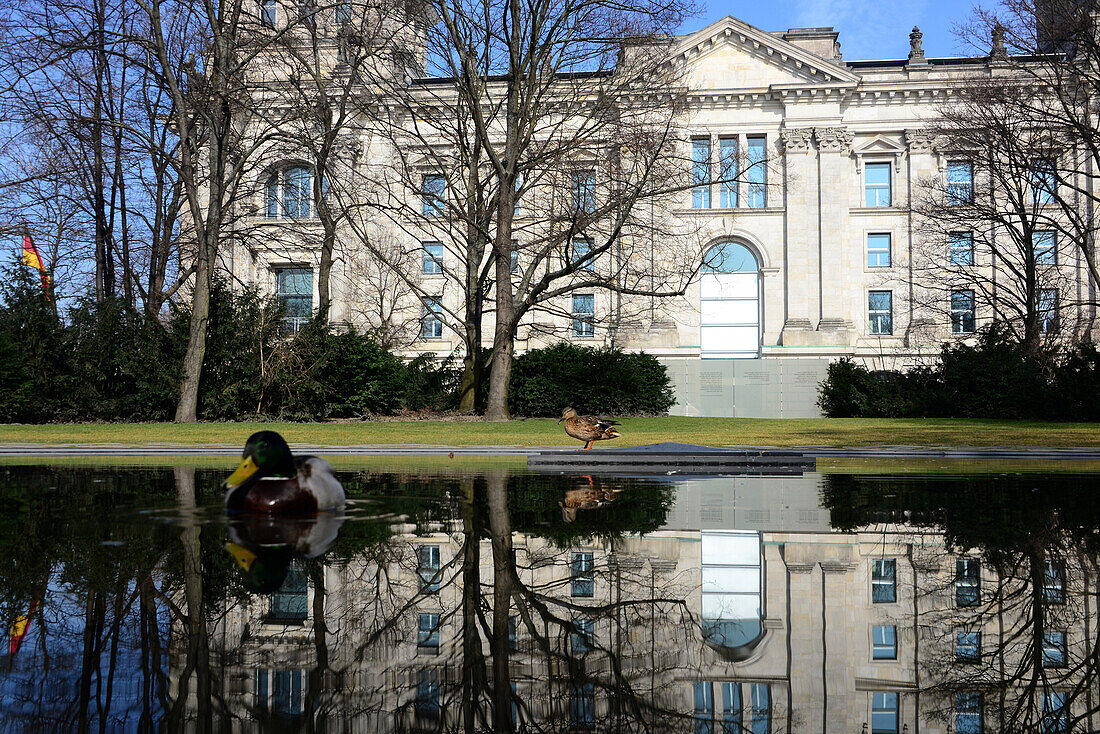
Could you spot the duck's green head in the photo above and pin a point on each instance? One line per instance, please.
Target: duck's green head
(265, 455)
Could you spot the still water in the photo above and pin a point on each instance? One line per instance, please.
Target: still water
(474, 601)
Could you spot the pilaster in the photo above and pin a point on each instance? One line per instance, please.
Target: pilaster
(834, 144)
(800, 187)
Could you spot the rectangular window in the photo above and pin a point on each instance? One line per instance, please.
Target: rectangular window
(294, 292)
(960, 249)
(884, 584)
(704, 707)
(580, 568)
(426, 705)
(731, 707)
(968, 582)
(1043, 248)
(513, 633)
(431, 318)
(968, 646)
(1054, 649)
(1047, 308)
(1043, 181)
(880, 312)
(962, 312)
(297, 192)
(584, 314)
(1055, 713)
(434, 195)
(581, 639)
(343, 12)
(259, 690)
(876, 184)
(267, 12)
(968, 713)
(727, 163)
(761, 709)
(700, 173)
(960, 182)
(1054, 583)
(583, 192)
(884, 643)
(427, 568)
(582, 706)
(286, 692)
(884, 713)
(878, 250)
(582, 246)
(756, 173)
(515, 259)
(432, 258)
(290, 604)
(427, 635)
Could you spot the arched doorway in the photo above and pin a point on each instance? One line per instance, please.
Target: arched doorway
(729, 302)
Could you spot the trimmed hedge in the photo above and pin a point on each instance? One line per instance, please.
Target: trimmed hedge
(601, 381)
(991, 379)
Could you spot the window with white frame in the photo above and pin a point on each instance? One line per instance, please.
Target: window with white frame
(968, 582)
(1043, 181)
(431, 318)
(729, 302)
(1047, 309)
(288, 193)
(432, 258)
(756, 172)
(583, 191)
(700, 173)
(960, 182)
(427, 633)
(884, 642)
(746, 707)
(277, 692)
(343, 12)
(290, 604)
(876, 184)
(582, 581)
(1054, 649)
(884, 713)
(968, 713)
(433, 194)
(426, 707)
(582, 706)
(1054, 582)
(878, 250)
(727, 172)
(1043, 247)
(582, 247)
(427, 568)
(294, 292)
(880, 312)
(962, 312)
(582, 637)
(584, 314)
(1055, 713)
(884, 580)
(968, 646)
(960, 248)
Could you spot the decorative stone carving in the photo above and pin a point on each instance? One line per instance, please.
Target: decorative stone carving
(998, 51)
(919, 141)
(916, 49)
(833, 139)
(796, 140)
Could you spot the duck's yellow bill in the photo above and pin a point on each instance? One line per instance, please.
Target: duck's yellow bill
(246, 469)
(245, 558)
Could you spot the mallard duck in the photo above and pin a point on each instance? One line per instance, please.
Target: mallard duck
(271, 481)
(264, 546)
(588, 427)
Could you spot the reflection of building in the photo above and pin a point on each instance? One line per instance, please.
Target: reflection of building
(744, 607)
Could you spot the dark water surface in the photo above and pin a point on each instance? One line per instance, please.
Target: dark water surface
(514, 601)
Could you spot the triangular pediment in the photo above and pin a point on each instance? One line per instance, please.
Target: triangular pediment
(879, 145)
(731, 54)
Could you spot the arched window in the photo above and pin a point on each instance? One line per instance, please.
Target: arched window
(732, 601)
(729, 307)
(289, 193)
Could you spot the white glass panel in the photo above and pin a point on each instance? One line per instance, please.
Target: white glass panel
(728, 285)
(731, 606)
(724, 578)
(730, 339)
(741, 549)
(730, 312)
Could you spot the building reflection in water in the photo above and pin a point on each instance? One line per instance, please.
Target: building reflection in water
(475, 602)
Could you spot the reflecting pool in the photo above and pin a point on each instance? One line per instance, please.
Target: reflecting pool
(455, 600)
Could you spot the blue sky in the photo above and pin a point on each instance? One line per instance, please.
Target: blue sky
(869, 29)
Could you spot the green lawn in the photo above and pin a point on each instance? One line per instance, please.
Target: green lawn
(545, 432)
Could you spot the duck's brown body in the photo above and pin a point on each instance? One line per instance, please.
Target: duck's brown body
(588, 428)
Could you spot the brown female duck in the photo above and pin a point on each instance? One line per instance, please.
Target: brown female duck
(588, 427)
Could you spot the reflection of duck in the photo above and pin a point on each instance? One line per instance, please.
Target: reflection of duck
(588, 427)
(270, 480)
(587, 498)
(264, 547)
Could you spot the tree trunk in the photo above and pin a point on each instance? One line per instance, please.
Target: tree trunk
(188, 406)
(471, 367)
(500, 531)
(473, 658)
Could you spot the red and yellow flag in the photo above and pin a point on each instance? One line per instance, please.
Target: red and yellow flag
(33, 259)
(19, 628)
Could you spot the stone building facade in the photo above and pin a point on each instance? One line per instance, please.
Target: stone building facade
(813, 244)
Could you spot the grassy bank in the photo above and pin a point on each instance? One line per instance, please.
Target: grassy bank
(545, 432)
